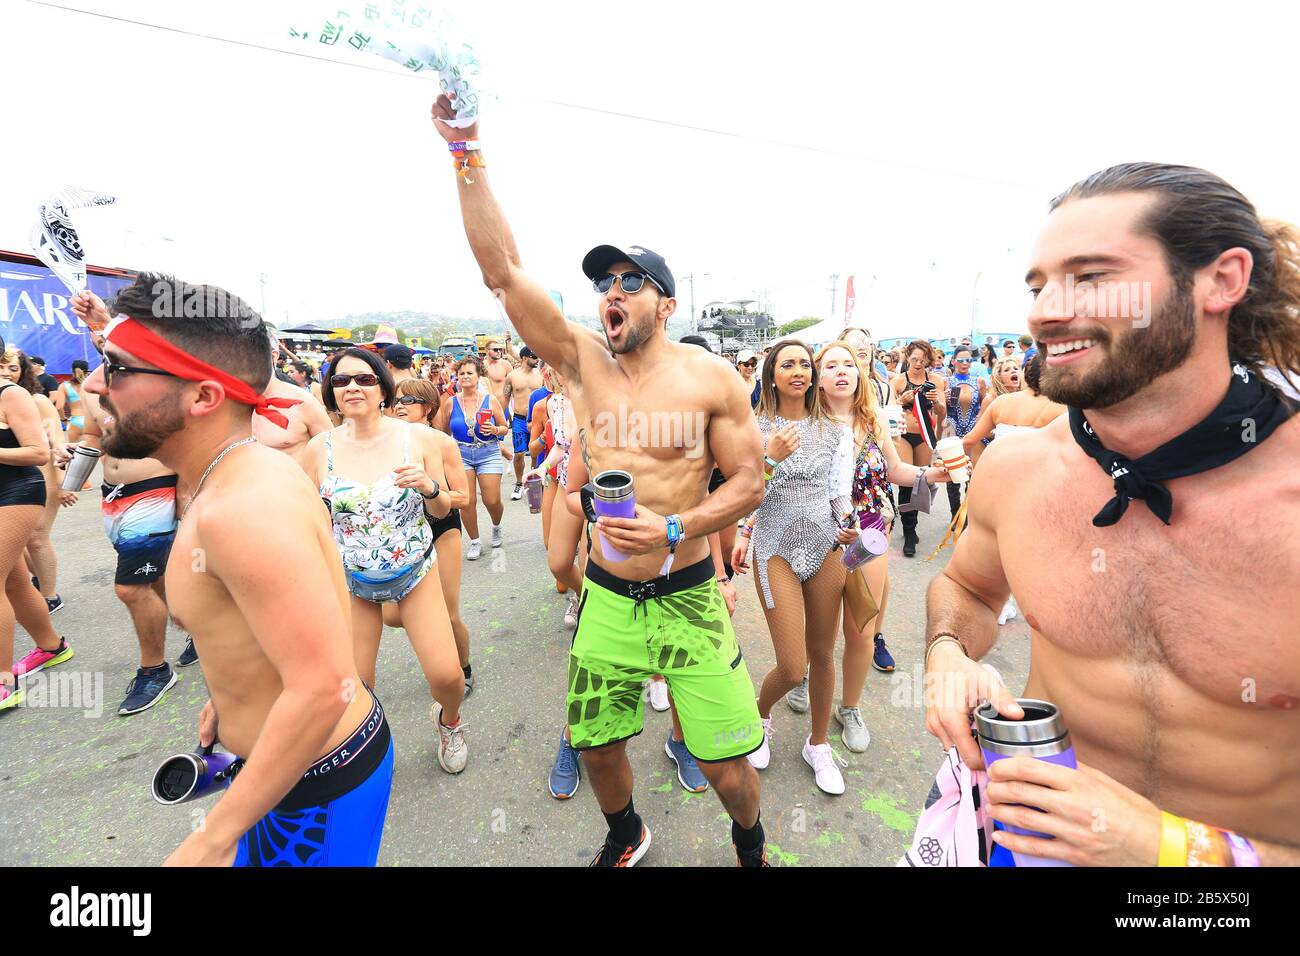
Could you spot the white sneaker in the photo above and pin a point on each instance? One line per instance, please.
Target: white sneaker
(823, 760)
(856, 736)
(1008, 610)
(453, 754)
(571, 612)
(496, 536)
(659, 695)
(475, 550)
(517, 493)
(797, 699)
(761, 757)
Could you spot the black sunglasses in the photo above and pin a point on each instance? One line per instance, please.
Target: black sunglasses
(409, 400)
(629, 282)
(365, 380)
(111, 369)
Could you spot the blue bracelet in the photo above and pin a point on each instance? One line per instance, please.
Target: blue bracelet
(675, 530)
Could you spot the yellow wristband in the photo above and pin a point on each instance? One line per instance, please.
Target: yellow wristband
(1173, 840)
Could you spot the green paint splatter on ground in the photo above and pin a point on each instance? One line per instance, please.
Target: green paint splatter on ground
(886, 807)
(494, 624)
(688, 797)
(781, 857)
(856, 773)
(721, 817)
(828, 838)
(489, 651)
(916, 753)
(664, 788)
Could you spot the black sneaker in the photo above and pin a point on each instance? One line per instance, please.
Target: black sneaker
(189, 655)
(611, 854)
(54, 604)
(147, 689)
(757, 858)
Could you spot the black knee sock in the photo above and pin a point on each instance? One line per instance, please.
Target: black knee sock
(747, 841)
(467, 670)
(624, 826)
(731, 572)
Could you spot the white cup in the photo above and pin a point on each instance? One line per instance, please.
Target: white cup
(952, 456)
(79, 468)
(894, 415)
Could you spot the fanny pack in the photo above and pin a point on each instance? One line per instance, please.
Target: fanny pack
(380, 586)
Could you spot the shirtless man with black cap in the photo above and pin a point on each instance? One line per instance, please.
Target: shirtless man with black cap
(1149, 535)
(270, 618)
(659, 609)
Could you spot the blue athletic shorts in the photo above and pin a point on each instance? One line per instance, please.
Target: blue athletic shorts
(335, 814)
(519, 434)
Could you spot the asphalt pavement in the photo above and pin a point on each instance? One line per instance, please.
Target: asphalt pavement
(74, 776)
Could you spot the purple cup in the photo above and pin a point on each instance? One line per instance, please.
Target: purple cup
(871, 544)
(187, 777)
(613, 499)
(1040, 734)
(533, 488)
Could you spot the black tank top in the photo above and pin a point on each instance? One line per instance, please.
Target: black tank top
(13, 473)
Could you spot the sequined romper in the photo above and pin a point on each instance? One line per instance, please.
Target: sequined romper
(799, 515)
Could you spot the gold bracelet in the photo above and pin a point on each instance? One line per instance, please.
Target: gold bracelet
(942, 639)
(1173, 840)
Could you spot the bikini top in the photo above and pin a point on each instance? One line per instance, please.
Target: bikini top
(380, 517)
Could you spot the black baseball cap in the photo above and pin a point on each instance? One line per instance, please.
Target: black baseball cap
(527, 353)
(597, 262)
(399, 355)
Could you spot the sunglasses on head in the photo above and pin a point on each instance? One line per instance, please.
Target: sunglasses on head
(365, 380)
(411, 400)
(629, 282)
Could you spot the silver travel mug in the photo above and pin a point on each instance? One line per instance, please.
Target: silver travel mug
(80, 467)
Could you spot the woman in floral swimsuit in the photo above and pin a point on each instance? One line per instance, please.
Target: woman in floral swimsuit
(383, 482)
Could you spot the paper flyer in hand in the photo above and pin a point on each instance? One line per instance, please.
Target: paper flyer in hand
(54, 240)
(412, 35)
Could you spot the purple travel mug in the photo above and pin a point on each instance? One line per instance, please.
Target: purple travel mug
(613, 499)
(186, 777)
(871, 544)
(534, 487)
(1040, 734)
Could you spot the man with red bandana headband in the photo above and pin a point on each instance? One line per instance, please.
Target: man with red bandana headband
(270, 618)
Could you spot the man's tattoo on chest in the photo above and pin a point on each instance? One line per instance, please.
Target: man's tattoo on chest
(582, 441)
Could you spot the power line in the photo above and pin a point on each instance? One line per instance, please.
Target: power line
(730, 134)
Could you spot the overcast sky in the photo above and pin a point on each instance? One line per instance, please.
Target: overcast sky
(936, 135)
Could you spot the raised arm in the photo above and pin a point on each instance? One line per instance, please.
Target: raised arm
(983, 426)
(530, 307)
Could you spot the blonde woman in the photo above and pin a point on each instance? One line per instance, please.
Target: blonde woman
(849, 398)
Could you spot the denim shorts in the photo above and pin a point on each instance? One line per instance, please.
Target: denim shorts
(483, 459)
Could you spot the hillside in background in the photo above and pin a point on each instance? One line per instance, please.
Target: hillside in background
(433, 327)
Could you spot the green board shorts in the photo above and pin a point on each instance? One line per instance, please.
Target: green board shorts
(679, 628)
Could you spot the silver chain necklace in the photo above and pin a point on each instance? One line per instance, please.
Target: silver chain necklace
(216, 461)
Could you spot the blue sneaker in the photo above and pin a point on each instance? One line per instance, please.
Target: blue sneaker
(189, 655)
(147, 689)
(688, 771)
(566, 774)
(882, 660)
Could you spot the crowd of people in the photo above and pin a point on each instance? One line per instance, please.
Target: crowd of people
(798, 457)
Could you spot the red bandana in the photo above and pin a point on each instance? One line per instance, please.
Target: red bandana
(135, 338)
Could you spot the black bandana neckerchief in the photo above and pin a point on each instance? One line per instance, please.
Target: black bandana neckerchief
(1214, 441)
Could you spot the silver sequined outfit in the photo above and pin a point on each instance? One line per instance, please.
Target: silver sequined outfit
(798, 517)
